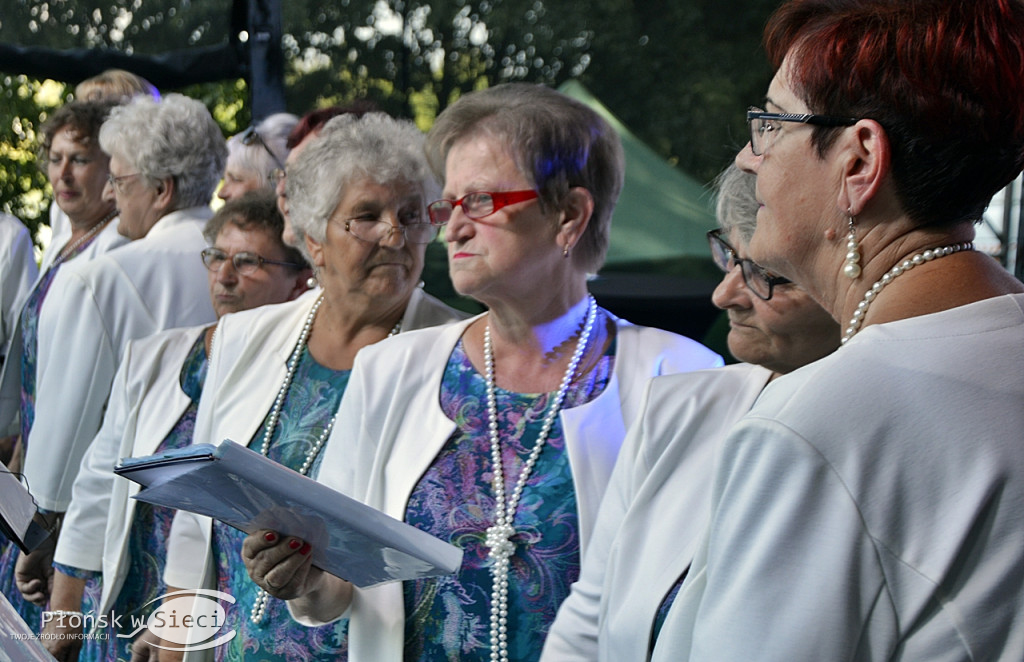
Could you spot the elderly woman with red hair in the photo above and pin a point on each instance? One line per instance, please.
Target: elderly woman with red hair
(871, 505)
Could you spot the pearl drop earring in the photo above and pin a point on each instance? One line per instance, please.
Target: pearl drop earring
(852, 266)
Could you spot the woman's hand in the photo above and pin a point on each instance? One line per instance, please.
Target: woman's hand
(283, 567)
(33, 572)
(63, 627)
(144, 648)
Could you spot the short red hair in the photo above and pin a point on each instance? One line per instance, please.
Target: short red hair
(944, 78)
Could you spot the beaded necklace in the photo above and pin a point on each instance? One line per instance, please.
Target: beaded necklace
(69, 249)
(259, 608)
(906, 265)
(499, 535)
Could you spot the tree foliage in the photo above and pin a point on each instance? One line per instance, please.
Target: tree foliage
(678, 72)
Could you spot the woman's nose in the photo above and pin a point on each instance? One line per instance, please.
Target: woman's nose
(732, 292)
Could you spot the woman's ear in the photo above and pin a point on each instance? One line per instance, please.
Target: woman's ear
(576, 213)
(165, 194)
(316, 252)
(867, 164)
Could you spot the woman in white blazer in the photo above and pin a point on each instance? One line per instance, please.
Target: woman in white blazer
(543, 386)
(165, 160)
(152, 408)
(77, 169)
(358, 193)
(658, 498)
(870, 506)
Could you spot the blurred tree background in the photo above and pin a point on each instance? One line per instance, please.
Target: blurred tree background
(679, 73)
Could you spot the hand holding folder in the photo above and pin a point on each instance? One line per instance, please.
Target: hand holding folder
(248, 491)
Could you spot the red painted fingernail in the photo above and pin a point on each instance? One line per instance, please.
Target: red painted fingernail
(270, 536)
(305, 549)
(294, 544)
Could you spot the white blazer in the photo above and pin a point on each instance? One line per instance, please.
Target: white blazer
(93, 310)
(18, 271)
(10, 380)
(248, 364)
(146, 402)
(652, 515)
(390, 427)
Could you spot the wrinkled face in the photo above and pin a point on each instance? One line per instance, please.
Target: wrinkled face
(387, 271)
(237, 182)
(514, 251)
(78, 174)
(782, 334)
(797, 191)
(231, 291)
(136, 198)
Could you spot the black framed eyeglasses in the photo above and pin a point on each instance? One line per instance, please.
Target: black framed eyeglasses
(758, 280)
(764, 125)
(374, 231)
(477, 205)
(252, 137)
(244, 262)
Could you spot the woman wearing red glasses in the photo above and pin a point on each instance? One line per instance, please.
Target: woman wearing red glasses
(496, 434)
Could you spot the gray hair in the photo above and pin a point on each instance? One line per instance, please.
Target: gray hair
(736, 206)
(256, 157)
(171, 137)
(556, 142)
(348, 149)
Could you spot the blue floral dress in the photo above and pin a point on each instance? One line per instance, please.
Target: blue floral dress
(448, 618)
(29, 323)
(311, 402)
(147, 541)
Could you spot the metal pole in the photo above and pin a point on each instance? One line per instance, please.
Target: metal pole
(266, 61)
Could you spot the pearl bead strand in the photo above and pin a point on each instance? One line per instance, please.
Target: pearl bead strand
(499, 536)
(906, 265)
(259, 608)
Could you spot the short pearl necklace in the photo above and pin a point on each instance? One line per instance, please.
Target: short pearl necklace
(69, 249)
(499, 536)
(260, 606)
(901, 268)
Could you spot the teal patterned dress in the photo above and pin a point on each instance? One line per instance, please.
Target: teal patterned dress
(29, 323)
(147, 540)
(311, 402)
(448, 618)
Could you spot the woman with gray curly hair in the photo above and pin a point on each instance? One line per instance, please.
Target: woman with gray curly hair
(277, 374)
(165, 160)
(255, 155)
(496, 434)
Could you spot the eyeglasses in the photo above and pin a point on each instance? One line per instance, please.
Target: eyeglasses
(758, 280)
(764, 125)
(244, 263)
(477, 205)
(374, 231)
(117, 183)
(277, 175)
(251, 137)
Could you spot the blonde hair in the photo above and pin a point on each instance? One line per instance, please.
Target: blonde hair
(115, 84)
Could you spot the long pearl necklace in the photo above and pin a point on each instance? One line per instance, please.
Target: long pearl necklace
(69, 249)
(259, 608)
(901, 268)
(499, 536)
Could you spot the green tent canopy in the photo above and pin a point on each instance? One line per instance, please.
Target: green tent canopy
(662, 214)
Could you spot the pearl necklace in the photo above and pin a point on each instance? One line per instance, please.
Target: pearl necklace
(499, 536)
(259, 608)
(901, 268)
(69, 249)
